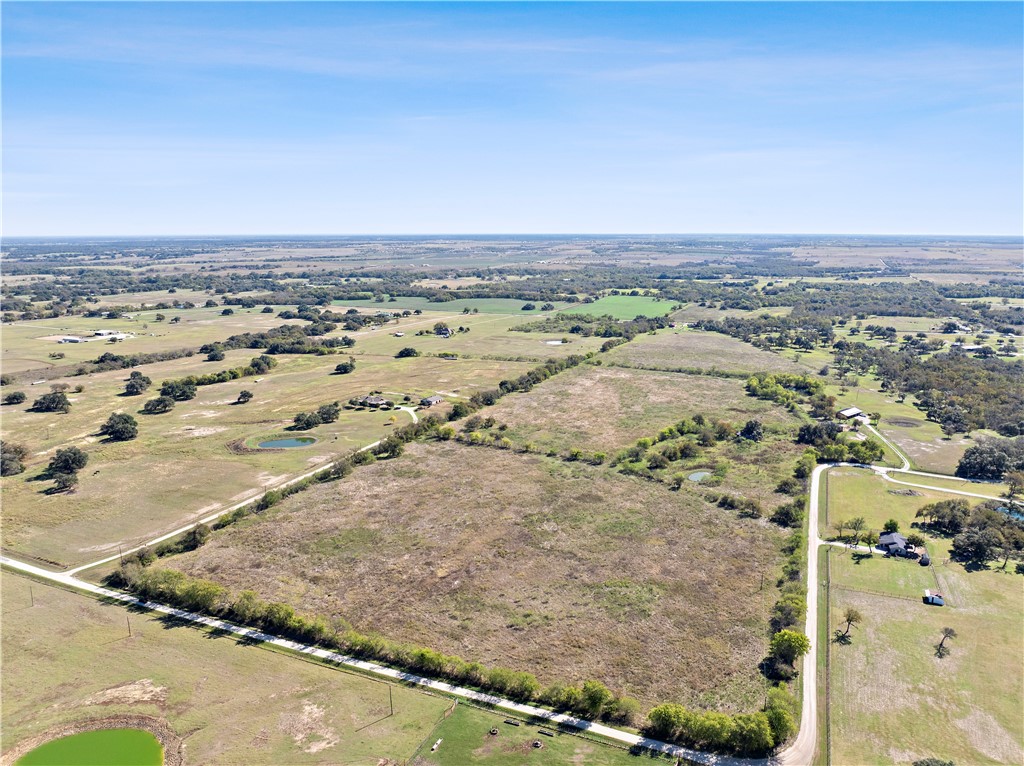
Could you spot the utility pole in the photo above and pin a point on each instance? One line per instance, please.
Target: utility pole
(31, 597)
(120, 555)
(127, 619)
(391, 700)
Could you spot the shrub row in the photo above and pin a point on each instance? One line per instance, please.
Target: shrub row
(178, 589)
(182, 389)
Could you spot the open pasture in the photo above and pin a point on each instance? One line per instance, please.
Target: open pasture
(597, 408)
(566, 571)
(694, 349)
(198, 458)
(489, 335)
(622, 307)
(971, 698)
(28, 345)
(292, 711)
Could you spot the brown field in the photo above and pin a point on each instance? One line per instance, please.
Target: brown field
(604, 408)
(693, 349)
(563, 570)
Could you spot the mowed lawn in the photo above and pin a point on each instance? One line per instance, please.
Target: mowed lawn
(597, 408)
(694, 349)
(466, 739)
(198, 458)
(860, 492)
(69, 658)
(563, 570)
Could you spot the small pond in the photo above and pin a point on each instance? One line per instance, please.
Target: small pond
(293, 441)
(102, 747)
(699, 476)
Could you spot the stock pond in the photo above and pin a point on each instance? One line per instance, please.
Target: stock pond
(295, 441)
(102, 747)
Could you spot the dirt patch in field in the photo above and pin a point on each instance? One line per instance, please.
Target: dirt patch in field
(308, 729)
(174, 748)
(988, 737)
(143, 690)
(563, 570)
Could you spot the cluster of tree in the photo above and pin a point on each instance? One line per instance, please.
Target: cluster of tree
(407, 353)
(108, 361)
(992, 459)
(290, 339)
(783, 388)
(64, 467)
(15, 397)
(747, 734)
(325, 413)
(770, 331)
(957, 391)
(345, 367)
(120, 427)
(137, 384)
(12, 458)
(55, 401)
(587, 325)
(988, 534)
(183, 389)
(162, 404)
(833, 446)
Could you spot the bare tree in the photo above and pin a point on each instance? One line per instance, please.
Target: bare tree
(851, 617)
(857, 526)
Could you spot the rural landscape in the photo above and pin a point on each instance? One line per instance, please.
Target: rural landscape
(512, 383)
(567, 500)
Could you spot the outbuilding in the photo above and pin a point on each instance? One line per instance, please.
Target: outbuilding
(430, 401)
(849, 412)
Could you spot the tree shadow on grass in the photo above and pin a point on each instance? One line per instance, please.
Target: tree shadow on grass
(842, 638)
(859, 556)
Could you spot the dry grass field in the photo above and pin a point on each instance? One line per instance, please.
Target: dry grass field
(567, 571)
(693, 349)
(596, 408)
(69, 658)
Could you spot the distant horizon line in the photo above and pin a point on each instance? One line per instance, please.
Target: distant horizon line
(506, 235)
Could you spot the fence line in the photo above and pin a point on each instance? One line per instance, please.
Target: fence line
(828, 657)
(876, 593)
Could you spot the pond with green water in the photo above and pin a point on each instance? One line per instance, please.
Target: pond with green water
(102, 747)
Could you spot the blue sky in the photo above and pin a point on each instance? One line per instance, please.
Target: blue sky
(351, 118)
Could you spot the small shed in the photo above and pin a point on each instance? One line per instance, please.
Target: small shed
(925, 560)
(935, 599)
(849, 412)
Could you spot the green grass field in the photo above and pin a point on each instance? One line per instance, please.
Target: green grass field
(860, 492)
(622, 307)
(466, 739)
(69, 658)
